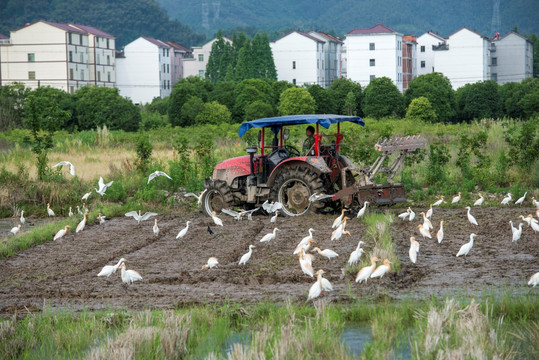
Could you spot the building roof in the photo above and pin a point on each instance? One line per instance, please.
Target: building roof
(178, 47)
(502, 37)
(2, 36)
(433, 35)
(376, 29)
(300, 33)
(467, 28)
(61, 26)
(92, 30)
(155, 41)
(328, 36)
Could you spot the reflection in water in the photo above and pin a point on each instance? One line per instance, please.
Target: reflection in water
(7, 224)
(355, 338)
(233, 338)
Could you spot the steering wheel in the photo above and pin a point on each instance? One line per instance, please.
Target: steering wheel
(292, 150)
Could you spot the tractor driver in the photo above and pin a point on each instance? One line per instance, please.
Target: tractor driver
(308, 144)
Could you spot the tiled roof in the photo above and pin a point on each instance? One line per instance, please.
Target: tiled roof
(301, 33)
(155, 41)
(467, 28)
(2, 36)
(177, 46)
(377, 29)
(65, 27)
(517, 34)
(329, 37)
(92, 30)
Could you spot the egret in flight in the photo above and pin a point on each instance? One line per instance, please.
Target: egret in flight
(156, 174)
(71, 167)
(139, 217)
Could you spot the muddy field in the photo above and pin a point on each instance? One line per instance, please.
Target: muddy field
(62, 273)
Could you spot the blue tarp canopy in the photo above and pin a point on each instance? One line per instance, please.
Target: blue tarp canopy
(275, 122)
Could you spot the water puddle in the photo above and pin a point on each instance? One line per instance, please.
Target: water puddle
(354, 338)
(242, 338)
(7, 224)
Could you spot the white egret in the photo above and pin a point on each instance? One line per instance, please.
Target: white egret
(507, 199)
(274, 217)
(139, 217)
(129, 276)
(381, 270)
(49, 210)
(479, 201)
(71, 167)
(528, 219)
(427, 224)
(465, 249)
(86, 196)
(15, 229)
(70, 212)
(440, 233)
(303, 246)
(305, 240)
(428, 215)
(535, 202)
(271, 207)
(79, 210)
(513, 229)
(199, 196)
(424, 231)
(327, 253)
(412, 214)
(338, 220)
(82, 224)
(439, 202)
(456, 199)
(183, 231)
(535, 226)
(305, 265)
(102, 186)
(61, 232)
(521, 199)
(339, 231)
(355, 256)
(247, 255)
(101, 218)
(414, 249)
(403, 216)
(216, 220)
(237, 215)
(518, 233)
(212, 262)
(365, 273)
(361, 212)
(534, 280)
(155, 228)
(108, 270)
(269, 236)
(316, 288)
(315, 197)
(471, 219)
(22, 219)
(156, 174)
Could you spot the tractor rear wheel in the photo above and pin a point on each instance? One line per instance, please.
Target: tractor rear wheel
(294, 186)
(217, 198)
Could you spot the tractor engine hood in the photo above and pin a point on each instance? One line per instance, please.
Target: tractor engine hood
(230, 169)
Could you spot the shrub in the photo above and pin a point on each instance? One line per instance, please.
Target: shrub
(420, 109)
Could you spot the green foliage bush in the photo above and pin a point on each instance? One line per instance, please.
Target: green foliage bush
(437, 88)
(438, 159)
(144, 151)
(420, 109)
(296, 101)
(382, 98)
(213, 113)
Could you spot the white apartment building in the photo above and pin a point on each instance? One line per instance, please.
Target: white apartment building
(425, 55)
(180, 54)
(101, 56)
(299, 59)
(45, 53)
(143, 72)
(511, 58)
(332, 56)
(374, 52)
(196, 65)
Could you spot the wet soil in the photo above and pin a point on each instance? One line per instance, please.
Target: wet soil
(62, 273)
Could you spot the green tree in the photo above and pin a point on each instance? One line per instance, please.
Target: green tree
(223, 93)
(421, 110)
(158, 105)
(295, 101)
(144, 150)
(437, 88)
(182, 91)
(258, 109)
(325, 100)
(249, 91)
(264, 66)
(530, 102)
(219, 60)
(190, 110)
(277, 89)
(12, 99)
(340, 89)
(480, 100)
(512, 94)
(43, 116)
(213, 113)
(382, 98)
(245, 67)
(535, 40)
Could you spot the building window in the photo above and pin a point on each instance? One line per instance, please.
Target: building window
(70, 38)
(294, 81)
(422, 63)
(164, 68)
(99, 76)
(201, 73)
(494, 61)
(168, 52)
(372, 77)
(168, 84)
(168, 68)
(70, 74)
(98, 59)
(81, 57)
(31, 57)
(372, 62)
(80, 38)
(318, 63)
(494, 76)
(293, 64)
(31, 75)
(372, 46)
(422, 48)
(71, 56)
(82, 74)
(108, 44)
(200, 57)
(108, 76)
(108, 59)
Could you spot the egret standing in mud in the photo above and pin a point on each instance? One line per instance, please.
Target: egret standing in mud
(439, 202)
(361, 212)
(273, 219)
(381, 270)
(338, 220)
(517, 233)
(129, 276)
(479, 201)
(356, 254)
(414, 249)
(82, 224)
(155, 228)
(212, 262)
(15, 229)
(70, 212)
(183, 231)
(339, 231)
(316, 288)
(49, 210)
(412, 214)
(215, 219)
(101, 218)
(534, 280)
(521, 199)
(403, 216)
(456, 199)
(327, 253)
(247, 255)
(305, 242)
(305, 264)
(424, 231)
(108, 270)
(471, 219)
(61, 233)
(365, 272)
(440, 233)
(270, 236)
(428, 215)
(465, 249)
(507, 199)
(22, 219)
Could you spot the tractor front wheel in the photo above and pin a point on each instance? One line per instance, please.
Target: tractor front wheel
(294, 186)
(217, 198)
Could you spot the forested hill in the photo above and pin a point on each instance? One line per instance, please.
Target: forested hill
(340, 16)
(125, 19)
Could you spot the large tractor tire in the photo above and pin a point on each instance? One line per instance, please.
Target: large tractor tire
(294, 186)
(217, 198)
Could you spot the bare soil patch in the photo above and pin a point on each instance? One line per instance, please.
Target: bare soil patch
(62, 273)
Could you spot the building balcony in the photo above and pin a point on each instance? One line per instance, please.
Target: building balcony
(440, 47)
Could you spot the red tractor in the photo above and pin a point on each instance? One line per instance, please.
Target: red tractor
(301, 183)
